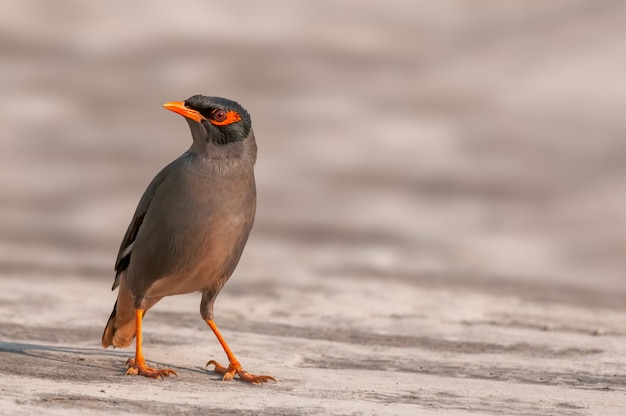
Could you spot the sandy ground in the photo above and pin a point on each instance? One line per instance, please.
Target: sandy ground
(441, 211)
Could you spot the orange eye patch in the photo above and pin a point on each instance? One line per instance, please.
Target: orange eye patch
(224, 118)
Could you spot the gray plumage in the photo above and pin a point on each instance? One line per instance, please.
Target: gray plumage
(191, 224)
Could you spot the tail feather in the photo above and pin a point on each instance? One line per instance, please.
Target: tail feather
(109, 330)
(120, 329)
(118, 333)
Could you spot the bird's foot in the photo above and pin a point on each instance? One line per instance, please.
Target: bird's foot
(235, 368)
(139, 367)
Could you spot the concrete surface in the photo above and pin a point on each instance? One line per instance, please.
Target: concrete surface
(441, 223)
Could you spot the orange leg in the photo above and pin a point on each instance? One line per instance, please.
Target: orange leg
(234, 367)
(138, 365)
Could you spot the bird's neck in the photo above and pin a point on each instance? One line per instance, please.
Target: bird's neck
(228, 160)
(242, 152)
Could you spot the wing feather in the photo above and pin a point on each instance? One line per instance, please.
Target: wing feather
(128, 242)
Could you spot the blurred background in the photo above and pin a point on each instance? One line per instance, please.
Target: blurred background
(473, 147)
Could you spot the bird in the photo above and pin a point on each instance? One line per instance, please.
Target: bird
(189, 229)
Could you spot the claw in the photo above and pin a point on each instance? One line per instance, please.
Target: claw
(140, 368)
(235, 368)
(218, 368)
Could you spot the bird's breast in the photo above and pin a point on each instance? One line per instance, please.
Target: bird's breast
(194, 233)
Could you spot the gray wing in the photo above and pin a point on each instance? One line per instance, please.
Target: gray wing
(128, 242)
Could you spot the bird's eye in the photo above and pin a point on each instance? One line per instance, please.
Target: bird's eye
(222, 117)
(219, 115)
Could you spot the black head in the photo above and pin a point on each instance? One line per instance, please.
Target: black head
(224, 120)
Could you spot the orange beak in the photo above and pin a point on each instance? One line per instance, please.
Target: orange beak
(179, 107)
